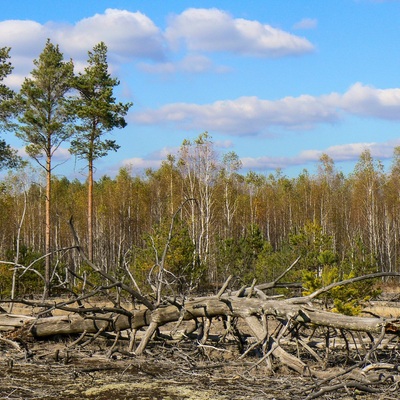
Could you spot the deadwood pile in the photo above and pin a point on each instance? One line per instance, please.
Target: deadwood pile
(250, 336)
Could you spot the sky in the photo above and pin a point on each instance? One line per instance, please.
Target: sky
(278, 82)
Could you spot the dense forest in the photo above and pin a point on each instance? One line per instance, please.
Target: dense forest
(214, 221)
(196, 216)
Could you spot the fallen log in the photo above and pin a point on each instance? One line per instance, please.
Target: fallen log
(210, 307)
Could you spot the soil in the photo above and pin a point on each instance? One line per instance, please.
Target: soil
(49, 370)
(169, 370)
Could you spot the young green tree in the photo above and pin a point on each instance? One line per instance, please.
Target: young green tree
(8, 156)
(45, 122)
(98, 113)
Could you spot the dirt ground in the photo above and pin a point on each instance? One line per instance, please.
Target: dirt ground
(53, 369)
(49, 370)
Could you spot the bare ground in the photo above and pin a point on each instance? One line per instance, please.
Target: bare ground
(49, 370)
(169, 370)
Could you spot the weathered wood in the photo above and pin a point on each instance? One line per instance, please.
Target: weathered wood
(203, 307)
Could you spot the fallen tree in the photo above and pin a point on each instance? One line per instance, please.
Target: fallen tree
(334, 350)
(281, 331)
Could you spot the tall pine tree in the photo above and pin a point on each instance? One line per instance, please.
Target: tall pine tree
(98, 113)
(45, 122)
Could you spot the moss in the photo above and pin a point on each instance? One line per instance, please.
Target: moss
(153, 390)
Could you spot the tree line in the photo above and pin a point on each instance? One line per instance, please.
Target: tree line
(196, 219)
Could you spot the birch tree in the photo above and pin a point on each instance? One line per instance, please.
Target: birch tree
(199, 168)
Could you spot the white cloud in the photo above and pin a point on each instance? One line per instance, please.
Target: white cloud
(306, 23)
(352, 151)
(243, 116)
(152, 160)
(193, 64)
(371, 102)
(132, 36)
(339, 153)
(213, 30)
(24, 37)
(140, 163)
(127, 34)
(266, 163)
(343, 152)
(253, 116)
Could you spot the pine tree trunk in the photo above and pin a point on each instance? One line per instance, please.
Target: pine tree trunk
(90, 210)
(47, 273)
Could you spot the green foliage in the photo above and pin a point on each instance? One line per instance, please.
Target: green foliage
(96, 108)
(27, 282)
(344, 299)
(183, 268)
(8, 156)
(6, 274)
(45, 121)
(312, 245)
(270, 264)
(246, 258)
(321, 267)
(90, 277)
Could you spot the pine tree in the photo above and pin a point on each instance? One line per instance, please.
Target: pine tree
(45, 122)
(98, 114)
(8, 156)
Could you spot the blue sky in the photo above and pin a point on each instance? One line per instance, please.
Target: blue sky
(277, 82)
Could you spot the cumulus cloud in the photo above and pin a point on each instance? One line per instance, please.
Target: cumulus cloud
(267, 163)
(352, 151)
(371, 102)
(127, 34)
(253, 116)
(24, 37)
(213, 30)
(132, 36)
(140, 163)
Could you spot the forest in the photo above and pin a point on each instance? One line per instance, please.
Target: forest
(223, 223)
(256, 262)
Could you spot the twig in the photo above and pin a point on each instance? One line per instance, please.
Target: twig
(94, 337)
(10, 343)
